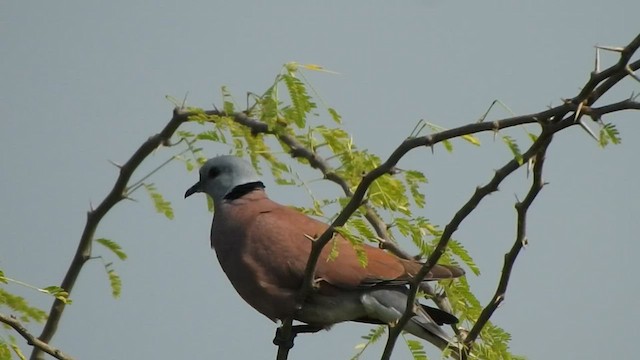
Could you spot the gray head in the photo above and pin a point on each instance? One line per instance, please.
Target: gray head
(221, 174)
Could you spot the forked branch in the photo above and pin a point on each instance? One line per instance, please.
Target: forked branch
(32, 340)
(521, 239)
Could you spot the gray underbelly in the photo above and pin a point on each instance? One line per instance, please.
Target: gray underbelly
(327, 310)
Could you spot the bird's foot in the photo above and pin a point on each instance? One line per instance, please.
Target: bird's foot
(287, 341)
(281, 340)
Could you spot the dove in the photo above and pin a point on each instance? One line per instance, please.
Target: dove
(263, 248)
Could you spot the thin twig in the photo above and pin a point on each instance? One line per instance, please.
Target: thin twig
(32, 340)
(510, 257)
(598, 85)
(457, 219)
(117, 193)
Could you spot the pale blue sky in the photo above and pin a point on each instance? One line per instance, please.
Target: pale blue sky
(83, 82)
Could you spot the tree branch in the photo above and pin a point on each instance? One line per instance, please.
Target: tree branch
(32, 340)
(598, 84)
(520, 241)
(94, 216)
(451, 227)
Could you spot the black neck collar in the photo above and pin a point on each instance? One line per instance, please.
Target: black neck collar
(241, 190)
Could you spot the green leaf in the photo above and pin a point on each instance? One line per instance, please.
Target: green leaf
(162, 206)
(19, 305)
(209, 135)
(447, 145)
(338, 140)
(356, 242)
(58, 292)
(416, 348)
(414, 179)
(16, 349)
(209, 204)
(2, 278)
(189, 165)
(5, 352)
(227, 104)
(371, 338)
(471, 139)
(609, 134)
(458, 250)
(335, 116)
(114, 281)
(185, 134)
(301, 101)
(333, 254)
(513, 146)
(113, 246)
(269, 106)
(362, 227)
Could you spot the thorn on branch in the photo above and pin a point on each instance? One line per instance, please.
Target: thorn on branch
(588, 130)
(119, 166)
(578, 111)
(632, 74)
(127, 197)
(611, 48)
(394, 171)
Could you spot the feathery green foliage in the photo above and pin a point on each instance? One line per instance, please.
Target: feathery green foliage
(371, 338)
(5, 352)
(162, 206)
(446, 143)
(23, 311)
(356, 241)
(513, 146)
(57, 292)
(609, 134)
(114, 280)
(458, 250)
(416, 348)
(116, 283)
(16, 349)
(113, 246)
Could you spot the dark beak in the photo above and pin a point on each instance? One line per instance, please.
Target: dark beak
(192, 190)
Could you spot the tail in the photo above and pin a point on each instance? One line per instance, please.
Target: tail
(388, 304)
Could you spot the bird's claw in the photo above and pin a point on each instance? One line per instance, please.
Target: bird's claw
(281, 340)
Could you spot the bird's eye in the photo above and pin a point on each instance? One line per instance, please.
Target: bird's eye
(213, 172)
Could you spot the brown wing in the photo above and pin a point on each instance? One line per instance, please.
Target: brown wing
(345, 271)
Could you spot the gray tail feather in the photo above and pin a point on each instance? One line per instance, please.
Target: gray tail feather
(431, 331)
(388, 304)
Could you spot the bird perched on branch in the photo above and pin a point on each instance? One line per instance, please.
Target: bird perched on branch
(263, 247)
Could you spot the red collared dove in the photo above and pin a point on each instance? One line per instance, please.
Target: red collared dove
(263, 248)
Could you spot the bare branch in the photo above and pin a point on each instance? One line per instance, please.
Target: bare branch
(521, 239)
(597, 85)
(32, 340)
(450, 228)
(601, 82)
(94, 216)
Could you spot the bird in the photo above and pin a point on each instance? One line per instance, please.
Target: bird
(263, 248)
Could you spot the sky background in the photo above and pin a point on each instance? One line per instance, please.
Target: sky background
(84, 82)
